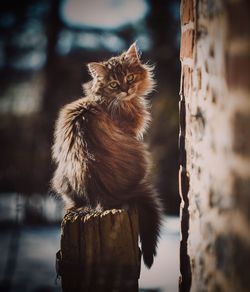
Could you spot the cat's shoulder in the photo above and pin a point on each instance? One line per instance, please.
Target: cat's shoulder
(80, 107)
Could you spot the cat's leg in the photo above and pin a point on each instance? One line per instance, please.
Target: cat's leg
(60, 184)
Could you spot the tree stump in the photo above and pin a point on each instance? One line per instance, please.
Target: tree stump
(99, 251)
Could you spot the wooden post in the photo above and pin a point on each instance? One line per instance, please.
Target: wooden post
(99, 251)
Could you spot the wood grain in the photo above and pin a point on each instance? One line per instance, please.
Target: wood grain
(99, 250)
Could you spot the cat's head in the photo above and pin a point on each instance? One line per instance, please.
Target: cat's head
(121, 78)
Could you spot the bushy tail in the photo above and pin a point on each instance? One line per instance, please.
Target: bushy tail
(150, 216)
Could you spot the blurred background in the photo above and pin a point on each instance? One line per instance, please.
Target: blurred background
(44, 48)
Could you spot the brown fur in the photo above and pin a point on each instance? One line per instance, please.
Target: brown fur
(98, 147)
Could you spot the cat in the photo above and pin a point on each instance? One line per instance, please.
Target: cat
(98, 145)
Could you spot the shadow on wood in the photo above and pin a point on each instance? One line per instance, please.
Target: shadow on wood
(99, 251)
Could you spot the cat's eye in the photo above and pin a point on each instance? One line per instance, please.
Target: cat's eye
(130, 77)
(113, 84)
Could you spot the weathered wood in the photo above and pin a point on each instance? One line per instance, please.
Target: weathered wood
(99, 251)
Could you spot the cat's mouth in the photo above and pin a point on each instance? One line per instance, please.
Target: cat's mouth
(125, 96)
(129, 97)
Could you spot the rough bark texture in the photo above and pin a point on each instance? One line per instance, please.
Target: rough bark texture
(214, 145)
(99, 251)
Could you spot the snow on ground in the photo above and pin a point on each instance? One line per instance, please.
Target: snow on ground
(164, 273)
(35, 269)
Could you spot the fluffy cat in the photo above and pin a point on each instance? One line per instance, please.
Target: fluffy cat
(98, 148)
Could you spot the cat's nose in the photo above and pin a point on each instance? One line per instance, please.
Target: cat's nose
(124, 88)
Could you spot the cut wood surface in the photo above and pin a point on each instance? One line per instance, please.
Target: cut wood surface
(99, 250)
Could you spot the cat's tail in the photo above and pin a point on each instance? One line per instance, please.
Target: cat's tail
(150, 217)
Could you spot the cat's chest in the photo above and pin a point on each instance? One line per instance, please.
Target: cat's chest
(126, 124)
(129, 123)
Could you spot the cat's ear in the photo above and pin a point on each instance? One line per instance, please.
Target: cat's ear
(132, 53)
(96, 69)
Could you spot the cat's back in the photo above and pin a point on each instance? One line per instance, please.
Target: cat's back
(70, 126)
(77, 109)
